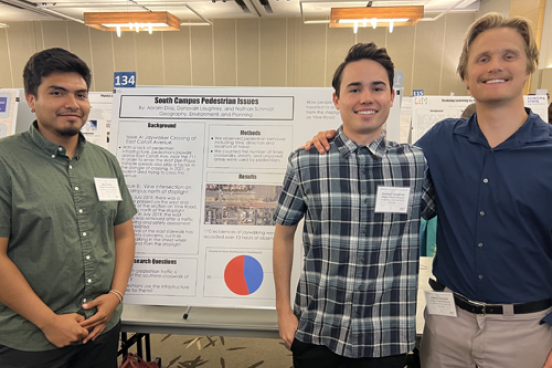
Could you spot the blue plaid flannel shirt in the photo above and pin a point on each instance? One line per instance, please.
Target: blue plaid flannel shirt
(358, 285)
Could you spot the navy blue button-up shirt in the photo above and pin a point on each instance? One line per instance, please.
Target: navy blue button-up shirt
(494, 235)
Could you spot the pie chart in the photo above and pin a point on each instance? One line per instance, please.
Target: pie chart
(243, 275)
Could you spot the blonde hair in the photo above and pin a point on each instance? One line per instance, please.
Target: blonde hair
(493, 21)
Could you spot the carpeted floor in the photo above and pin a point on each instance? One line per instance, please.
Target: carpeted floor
(181, 351)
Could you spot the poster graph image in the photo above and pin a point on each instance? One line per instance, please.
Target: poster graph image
(237, 273)
(243, 275)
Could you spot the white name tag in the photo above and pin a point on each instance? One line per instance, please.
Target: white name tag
(108, 189)
(440, 303)
(392, 199)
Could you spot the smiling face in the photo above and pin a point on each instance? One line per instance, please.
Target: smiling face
(497, 66)
(61, 105)
(365, 99)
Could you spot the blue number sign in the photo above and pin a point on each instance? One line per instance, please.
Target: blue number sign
(124, 80)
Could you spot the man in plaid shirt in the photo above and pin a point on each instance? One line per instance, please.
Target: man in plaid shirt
(356, 300)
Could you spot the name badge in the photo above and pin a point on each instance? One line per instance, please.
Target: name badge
(392, 200)
(108, 189)
(440, 303)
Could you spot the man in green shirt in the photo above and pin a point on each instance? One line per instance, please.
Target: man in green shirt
(66, 234)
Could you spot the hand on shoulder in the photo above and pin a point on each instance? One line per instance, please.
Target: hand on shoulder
(321, 141)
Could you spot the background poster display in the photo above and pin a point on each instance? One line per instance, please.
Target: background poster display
(96, 128)
(406, 120)
(392, 126)
(9, 102)
(428, 110)
(205, 167)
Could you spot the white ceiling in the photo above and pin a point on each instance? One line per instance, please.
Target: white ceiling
(193, 10)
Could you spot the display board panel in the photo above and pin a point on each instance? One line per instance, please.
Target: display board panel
(205, 167)
(97, 126)
(9, 104)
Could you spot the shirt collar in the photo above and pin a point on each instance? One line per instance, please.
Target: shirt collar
(50, 148)
(531, 131)
(346, 146)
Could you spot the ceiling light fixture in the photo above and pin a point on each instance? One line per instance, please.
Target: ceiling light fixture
(396, 16)
(132, 21)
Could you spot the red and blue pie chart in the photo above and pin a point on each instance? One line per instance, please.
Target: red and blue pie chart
(243, 275)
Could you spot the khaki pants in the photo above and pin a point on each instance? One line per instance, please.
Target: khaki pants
(489, 341)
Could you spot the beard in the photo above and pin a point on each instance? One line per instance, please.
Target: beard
(68, 132)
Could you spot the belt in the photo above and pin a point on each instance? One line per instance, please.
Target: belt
(483, 308)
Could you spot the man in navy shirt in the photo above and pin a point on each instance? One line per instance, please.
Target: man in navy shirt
(492, 175)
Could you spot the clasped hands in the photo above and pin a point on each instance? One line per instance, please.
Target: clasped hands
(66, 329)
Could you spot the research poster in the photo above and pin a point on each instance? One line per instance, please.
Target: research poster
(205, 167)
(428, 110)
(96, 128)
(9, 101)
(406, 120)
(392, 127)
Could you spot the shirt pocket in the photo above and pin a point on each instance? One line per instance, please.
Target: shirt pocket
(109, 211)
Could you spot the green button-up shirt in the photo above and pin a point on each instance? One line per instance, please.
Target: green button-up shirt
(61, 236)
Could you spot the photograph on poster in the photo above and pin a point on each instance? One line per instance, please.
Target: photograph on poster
(239, 204)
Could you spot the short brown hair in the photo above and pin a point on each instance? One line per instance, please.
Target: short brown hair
(367, 51)
(496, 20)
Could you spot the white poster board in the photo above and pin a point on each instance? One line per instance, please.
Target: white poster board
(426, 273)
(393, 124)
(428, 110)
(25, 116)
(406, 119)
(205, 168)
(96, 128)
(9, 103)
(538, 104)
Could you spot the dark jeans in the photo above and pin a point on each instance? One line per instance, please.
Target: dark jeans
(101, 353)
(319, 356)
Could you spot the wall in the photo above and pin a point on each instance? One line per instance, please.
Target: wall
(499, 6)
(534, 11)
(256, 52)
(545, 80)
